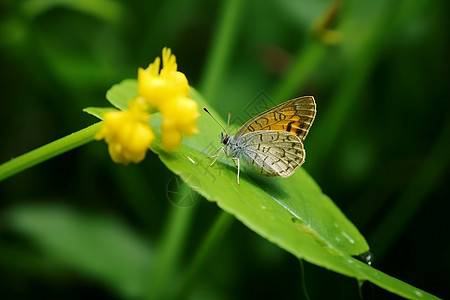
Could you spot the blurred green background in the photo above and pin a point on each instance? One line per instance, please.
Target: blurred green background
(79, 225)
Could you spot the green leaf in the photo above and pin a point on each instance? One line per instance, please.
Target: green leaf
(100, 247)
(291, 212)
(119, 94)
(98, 111)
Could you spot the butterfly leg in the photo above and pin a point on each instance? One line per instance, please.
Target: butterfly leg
(216, 155)
(238, 166)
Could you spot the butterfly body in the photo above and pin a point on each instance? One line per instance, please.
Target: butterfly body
(271, 143)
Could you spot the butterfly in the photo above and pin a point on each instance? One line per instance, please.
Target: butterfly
(271, 143)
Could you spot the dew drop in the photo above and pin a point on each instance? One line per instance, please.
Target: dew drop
(418, 293)
(366, 257)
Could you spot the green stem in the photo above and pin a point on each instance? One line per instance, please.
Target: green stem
(48, 151)
(209, 244)
(221, 48)
(309, 56)
(171, 248)
(363, 47)
(302, 272)
(332, 121)
(304, 64)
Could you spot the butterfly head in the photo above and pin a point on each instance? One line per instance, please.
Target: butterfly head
(224, 138)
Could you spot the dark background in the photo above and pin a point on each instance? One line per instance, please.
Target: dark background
(379, 147)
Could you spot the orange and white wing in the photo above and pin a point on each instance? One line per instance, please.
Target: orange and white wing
(272, 153)
(293, 116)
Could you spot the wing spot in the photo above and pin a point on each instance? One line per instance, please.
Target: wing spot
(289, 126)
(275, 162)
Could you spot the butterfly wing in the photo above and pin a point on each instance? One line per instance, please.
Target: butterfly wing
(293, 116)
(272, 153)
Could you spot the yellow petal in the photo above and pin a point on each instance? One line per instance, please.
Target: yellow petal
(127, 133)
(171, 139)
(182, 112)
(158, 86)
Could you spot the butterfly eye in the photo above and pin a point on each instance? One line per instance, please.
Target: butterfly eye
(225, 139)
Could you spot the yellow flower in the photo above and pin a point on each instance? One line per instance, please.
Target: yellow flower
(179, 116)
(181, 113)
(168, 90)
(158, 86)
(171, 137)
(128, 133)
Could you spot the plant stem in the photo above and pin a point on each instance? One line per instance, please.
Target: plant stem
(308, 57)
(363, 46)
(221, 48)
(209, 244)
(48, 151)
(303, 65)
(171, 247)
(302, 272)
(328, 127)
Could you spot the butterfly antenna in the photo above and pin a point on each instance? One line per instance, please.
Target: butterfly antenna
(205, 109)
(228, 121)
